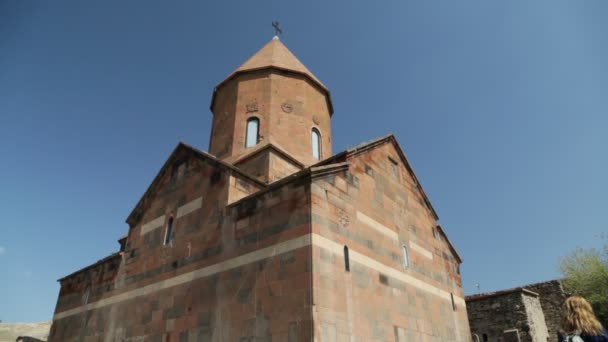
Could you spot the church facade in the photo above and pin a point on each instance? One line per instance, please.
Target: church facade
(270, 236)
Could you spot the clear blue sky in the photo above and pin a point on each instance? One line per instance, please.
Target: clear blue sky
(501, 106)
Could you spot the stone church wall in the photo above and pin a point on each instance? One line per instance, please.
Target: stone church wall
(373, 209)
(346, 249)
(89, 284)
(236, 273)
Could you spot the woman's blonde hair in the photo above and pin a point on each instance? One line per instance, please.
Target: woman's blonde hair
(579, 317)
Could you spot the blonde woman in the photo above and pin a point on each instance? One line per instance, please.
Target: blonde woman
(580, 324)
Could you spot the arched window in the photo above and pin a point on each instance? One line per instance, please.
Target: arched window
(253, 132)
(169, 232)
(346, 260)
(316, 143)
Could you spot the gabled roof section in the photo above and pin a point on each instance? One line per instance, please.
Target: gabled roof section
(309, 172)
(183, 150)
(452, 249)
(250, 153)
(275, 55)
(364, 147)
(370, 145)
(97, 263)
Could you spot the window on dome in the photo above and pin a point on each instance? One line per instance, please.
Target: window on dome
(316, 144)
(253, 132)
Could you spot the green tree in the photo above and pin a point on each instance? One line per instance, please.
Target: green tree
(586, 274)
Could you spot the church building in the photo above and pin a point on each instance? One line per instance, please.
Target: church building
(270, 236)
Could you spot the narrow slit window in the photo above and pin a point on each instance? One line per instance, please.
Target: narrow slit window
(316, 144)
(169, 232)
(394, 165)
(86, 295)
(399, 334)
(346, 260)
(253, 132)
(453, 302)
(406, 258)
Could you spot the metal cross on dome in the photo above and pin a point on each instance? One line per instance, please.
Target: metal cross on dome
(277, 29)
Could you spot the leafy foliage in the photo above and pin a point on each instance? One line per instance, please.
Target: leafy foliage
(586, 274)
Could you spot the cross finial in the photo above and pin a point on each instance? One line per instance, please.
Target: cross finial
(277, 29)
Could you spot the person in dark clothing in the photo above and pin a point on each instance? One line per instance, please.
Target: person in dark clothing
(579, 322)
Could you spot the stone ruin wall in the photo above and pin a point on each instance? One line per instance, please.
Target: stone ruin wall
(546, 306)
(536, 318)
(552, 297)
(518, 312)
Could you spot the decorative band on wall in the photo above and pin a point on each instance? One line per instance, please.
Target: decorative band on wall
(181, 211)
(425, 252)
(382, 229)
(279, 248)
(152, 225)
(189, 207)
(335, 248)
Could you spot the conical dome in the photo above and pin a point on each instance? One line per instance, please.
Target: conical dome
(271, 116)
(275, 54)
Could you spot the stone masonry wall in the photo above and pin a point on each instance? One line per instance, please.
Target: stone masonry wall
(492, 316)
(89, 284)
(256, 166)
(372, 210)
(236, 273)
(536, 318)
(280, 167)
(503, 315)
(552, 298)
(267, 165)
(287, 105)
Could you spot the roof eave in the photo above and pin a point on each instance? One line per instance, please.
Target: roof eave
(373, 143)
(452, 248)
(486, 295)
(312, 172)
(267, 146)
(198, 153)
(315, 82)
(97, 263)
(344, 155)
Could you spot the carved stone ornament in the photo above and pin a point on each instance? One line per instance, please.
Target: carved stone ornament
(252, 107)
(287, 107)
(316, 119)
(343, 219)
